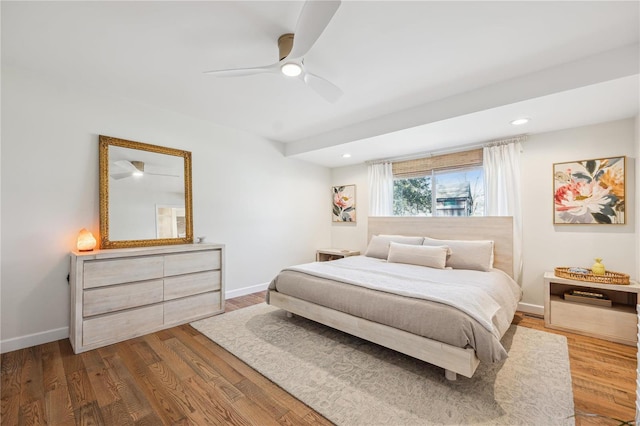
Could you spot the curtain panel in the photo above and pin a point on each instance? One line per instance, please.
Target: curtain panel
(501, 163)
(381, 189)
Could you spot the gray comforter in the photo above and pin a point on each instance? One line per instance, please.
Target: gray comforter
(458, 307)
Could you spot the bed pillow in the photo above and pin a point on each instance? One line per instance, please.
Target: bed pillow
(379, 244)
(476, 255)
(430, 256)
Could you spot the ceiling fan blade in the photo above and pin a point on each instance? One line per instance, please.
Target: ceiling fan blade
(323, 87)
(239, 72)
(126, 165)
(314, 18)
(118, 176)
(162, 174)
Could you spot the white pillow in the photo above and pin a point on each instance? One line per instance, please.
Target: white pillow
(475, 254)
(379, 244)
(430, 256)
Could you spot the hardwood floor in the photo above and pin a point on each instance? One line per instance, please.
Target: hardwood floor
(179, 377)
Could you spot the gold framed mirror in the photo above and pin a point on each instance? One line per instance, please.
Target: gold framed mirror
(145, 194)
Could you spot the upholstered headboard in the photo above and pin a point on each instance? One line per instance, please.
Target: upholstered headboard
(496, 228)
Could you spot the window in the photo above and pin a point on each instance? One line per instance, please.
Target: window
(448, 185)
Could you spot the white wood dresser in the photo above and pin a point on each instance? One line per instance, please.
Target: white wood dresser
(118, 294)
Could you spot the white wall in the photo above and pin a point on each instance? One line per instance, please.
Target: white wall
(545, 245)
(349, 235)
(270, 211)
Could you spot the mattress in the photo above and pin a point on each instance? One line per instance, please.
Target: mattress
(434, 320)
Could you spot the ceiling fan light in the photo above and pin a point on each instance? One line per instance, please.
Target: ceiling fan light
(291, 69)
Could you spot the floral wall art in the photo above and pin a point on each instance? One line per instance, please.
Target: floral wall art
(589, 191)
(344, 203)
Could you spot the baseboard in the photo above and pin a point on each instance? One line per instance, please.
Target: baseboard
(245, 290)
(29, 340)
(528, 308)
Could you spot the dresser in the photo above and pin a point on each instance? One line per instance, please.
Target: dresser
(118, 294)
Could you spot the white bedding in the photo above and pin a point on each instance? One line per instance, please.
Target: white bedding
(491, 298)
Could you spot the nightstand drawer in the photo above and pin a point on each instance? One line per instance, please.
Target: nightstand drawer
(604, 321)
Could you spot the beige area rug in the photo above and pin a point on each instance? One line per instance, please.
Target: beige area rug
(354, 382)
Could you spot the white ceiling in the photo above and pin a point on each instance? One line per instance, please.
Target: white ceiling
(453, 73)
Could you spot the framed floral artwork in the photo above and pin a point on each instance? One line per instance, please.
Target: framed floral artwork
(344, 203)
(589, 191)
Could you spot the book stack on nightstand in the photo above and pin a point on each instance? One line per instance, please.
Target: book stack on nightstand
(325, 255)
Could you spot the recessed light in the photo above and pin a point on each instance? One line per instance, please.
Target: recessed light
(291, 69)
(346, 155)
(520, 121)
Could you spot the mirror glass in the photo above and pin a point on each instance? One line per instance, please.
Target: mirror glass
(145, 194)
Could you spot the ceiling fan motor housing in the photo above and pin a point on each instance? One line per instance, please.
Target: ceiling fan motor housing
(285, 43)
(138, 165)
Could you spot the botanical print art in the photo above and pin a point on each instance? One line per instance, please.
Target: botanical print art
(344, 203)
(589, 191)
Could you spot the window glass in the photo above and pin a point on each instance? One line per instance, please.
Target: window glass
(458, 192)
(412, 197)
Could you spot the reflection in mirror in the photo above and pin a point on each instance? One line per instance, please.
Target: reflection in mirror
(170, 221)
(145, 194)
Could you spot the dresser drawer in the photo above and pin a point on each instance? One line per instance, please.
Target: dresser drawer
(118, 297)
(100, 273)
(122, 325)
(185, 263)
(192, 307)
(187, 285)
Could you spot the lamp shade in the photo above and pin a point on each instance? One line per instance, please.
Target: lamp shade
(86, 240)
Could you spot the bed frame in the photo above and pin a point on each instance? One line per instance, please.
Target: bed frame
(454, 360)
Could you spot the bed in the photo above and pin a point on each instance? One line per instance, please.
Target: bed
(422, 315)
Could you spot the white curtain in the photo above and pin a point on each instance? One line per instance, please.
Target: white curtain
(503, 195)
(380, 189)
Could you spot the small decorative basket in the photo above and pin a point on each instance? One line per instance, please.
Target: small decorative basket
(609, 277)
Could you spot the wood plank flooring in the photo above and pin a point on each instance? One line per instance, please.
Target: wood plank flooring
(179, 377)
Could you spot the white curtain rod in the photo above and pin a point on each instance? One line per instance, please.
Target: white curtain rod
(494, 142)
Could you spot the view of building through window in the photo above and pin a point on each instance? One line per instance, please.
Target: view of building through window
(458, 192)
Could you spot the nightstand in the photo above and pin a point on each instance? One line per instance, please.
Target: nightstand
(324, 255)
(617, 323)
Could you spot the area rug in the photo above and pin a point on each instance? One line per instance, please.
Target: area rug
(354, 382)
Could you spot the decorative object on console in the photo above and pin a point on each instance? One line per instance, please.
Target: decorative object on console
(86, 241)
(344, 203)
(598, 268)
(609, 277)
(589, 191)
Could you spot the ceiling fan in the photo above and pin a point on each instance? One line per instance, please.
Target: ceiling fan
(313, 19)
(134, 168)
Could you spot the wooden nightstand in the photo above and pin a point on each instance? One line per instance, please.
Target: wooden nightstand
(617, 323)
(324, 255)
